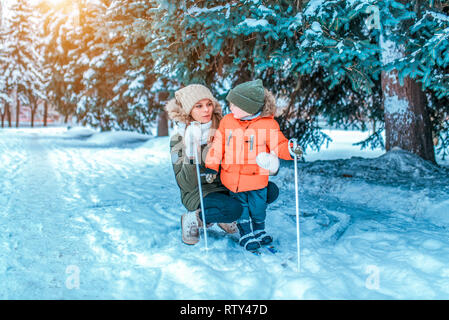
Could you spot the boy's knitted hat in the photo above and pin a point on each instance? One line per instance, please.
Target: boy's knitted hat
(248, 96)
(191, 94)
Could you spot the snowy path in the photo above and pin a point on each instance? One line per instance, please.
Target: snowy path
(88, 221)
(67, 207)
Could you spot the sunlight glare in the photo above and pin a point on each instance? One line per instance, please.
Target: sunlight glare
(56, 2)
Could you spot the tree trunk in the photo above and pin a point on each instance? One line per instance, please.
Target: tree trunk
(33, 111)
(162, 125)
(45, 112)
(8, 115)
(5, 106)
(17, 110)
(407, 123)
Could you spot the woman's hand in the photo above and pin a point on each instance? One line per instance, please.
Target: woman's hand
(268, 161)
(192, 139)
(210, 175)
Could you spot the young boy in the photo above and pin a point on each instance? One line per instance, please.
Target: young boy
(246, 147)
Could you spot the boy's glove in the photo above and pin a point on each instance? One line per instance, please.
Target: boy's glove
(268, 161)
(210, 175)
(298, 151)
(294, 148)
(192, 139)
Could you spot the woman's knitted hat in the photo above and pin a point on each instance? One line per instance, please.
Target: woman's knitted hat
(248, 96)
(191, 94)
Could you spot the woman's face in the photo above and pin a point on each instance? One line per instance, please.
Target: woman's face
(238, 113)
(202, 111)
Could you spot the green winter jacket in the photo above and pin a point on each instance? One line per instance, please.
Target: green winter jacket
(185, 174)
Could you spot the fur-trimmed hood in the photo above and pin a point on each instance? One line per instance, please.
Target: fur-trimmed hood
(269, 107)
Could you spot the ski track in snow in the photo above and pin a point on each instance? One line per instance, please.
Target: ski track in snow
(112, 214)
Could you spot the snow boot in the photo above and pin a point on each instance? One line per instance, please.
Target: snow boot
(249, 242)
(260, 234)
(190, 224)
(263, 237)
(228, 227)
(247, 239)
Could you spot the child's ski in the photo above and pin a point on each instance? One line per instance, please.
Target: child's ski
(272, 249)
(250, 253)
(255, 252)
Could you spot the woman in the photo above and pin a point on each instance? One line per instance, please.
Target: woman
(196, 104)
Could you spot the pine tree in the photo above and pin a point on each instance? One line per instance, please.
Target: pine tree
(140, 90)
(19, 56)
(5, 89)
(116, 62)
(222, 44)
(333, 42)
(64, 86)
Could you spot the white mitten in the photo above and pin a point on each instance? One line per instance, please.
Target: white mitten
(192, 139)
(268, 161)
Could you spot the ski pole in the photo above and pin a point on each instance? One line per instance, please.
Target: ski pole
(197, 164)
(292, 145)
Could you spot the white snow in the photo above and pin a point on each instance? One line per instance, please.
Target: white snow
(391, 51)
(254, 23)
(393, 104)
(85, 220)
(89, 74)
(117, 138)
(438, 16)
(316, 27)
(297, 22)
(342, 146)
(194, 10)
(79, 132)
(312, 8)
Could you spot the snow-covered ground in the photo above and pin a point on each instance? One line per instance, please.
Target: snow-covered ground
(87, 215)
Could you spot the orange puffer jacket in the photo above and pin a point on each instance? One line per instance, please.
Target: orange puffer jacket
(235, 147)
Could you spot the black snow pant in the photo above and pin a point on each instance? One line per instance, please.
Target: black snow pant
(221, 207)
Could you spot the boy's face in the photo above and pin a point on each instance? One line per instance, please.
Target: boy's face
(237, 112)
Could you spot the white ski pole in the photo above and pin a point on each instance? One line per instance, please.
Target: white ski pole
(292, 145)
(197, 164)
